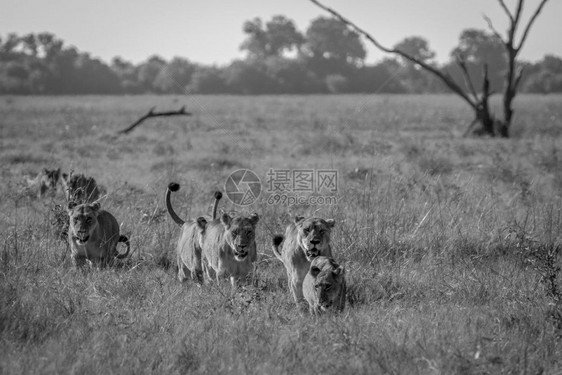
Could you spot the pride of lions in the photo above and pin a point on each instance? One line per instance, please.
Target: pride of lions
(207, 249)
(226, 247)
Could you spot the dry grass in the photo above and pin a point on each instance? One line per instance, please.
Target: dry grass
(452, 245)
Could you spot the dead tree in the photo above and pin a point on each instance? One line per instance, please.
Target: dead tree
(151, 113)
(478, 101)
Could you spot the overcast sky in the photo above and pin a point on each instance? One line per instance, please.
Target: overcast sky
(210, 31)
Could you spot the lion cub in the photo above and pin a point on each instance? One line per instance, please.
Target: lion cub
(93, 234)
(324, 286)
(305, 239)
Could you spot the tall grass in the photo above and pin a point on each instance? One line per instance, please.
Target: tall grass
(451, 245)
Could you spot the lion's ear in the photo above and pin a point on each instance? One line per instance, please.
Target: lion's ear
(254, 218)
(71, 205)
(226, 220)
(314, 271)
(201, 223)
(331, 222)
(65, 177)
(96, 206)
(298, 219)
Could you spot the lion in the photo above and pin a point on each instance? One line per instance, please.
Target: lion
(324, 286)
(229, 247)
(46, 181)
(188, 249)
(224, 247)
(79, 188)
(304, 240)
(93, 234)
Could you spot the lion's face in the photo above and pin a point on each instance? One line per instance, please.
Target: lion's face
(328, 281)
(313, 235)
(83, 220)
(240, 234)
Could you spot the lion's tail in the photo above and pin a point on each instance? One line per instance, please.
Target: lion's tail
(173, 186)
(277, 239)
(218, 196)
(125, 240)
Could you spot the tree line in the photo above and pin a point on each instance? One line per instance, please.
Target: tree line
(279, 59)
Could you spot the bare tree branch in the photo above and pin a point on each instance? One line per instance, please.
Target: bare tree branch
(506, 9)
(151, 113)
(531, 21)
(443, 76)
(357, 28)
(518, 13)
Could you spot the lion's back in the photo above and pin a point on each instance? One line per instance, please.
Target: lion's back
(109, 227)
(188, 248)
(213, 241)
(82, 189)
(290, 242)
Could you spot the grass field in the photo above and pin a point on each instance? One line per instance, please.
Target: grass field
(451, 245)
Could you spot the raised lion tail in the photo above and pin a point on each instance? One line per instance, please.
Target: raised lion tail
(277, 239)
(218, 196)
(173, 186)
(125, 240)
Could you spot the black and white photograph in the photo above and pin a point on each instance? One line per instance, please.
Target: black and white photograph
(281, 187)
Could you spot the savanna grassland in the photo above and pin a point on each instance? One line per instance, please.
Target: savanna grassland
(451, 244)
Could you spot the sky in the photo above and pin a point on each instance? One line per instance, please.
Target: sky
(210, 31)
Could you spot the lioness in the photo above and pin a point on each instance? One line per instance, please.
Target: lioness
(188, 249)
(79, 188)
(304, 240)
(46, 181)
(324, 286)
(229, 247)
(93, 234)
